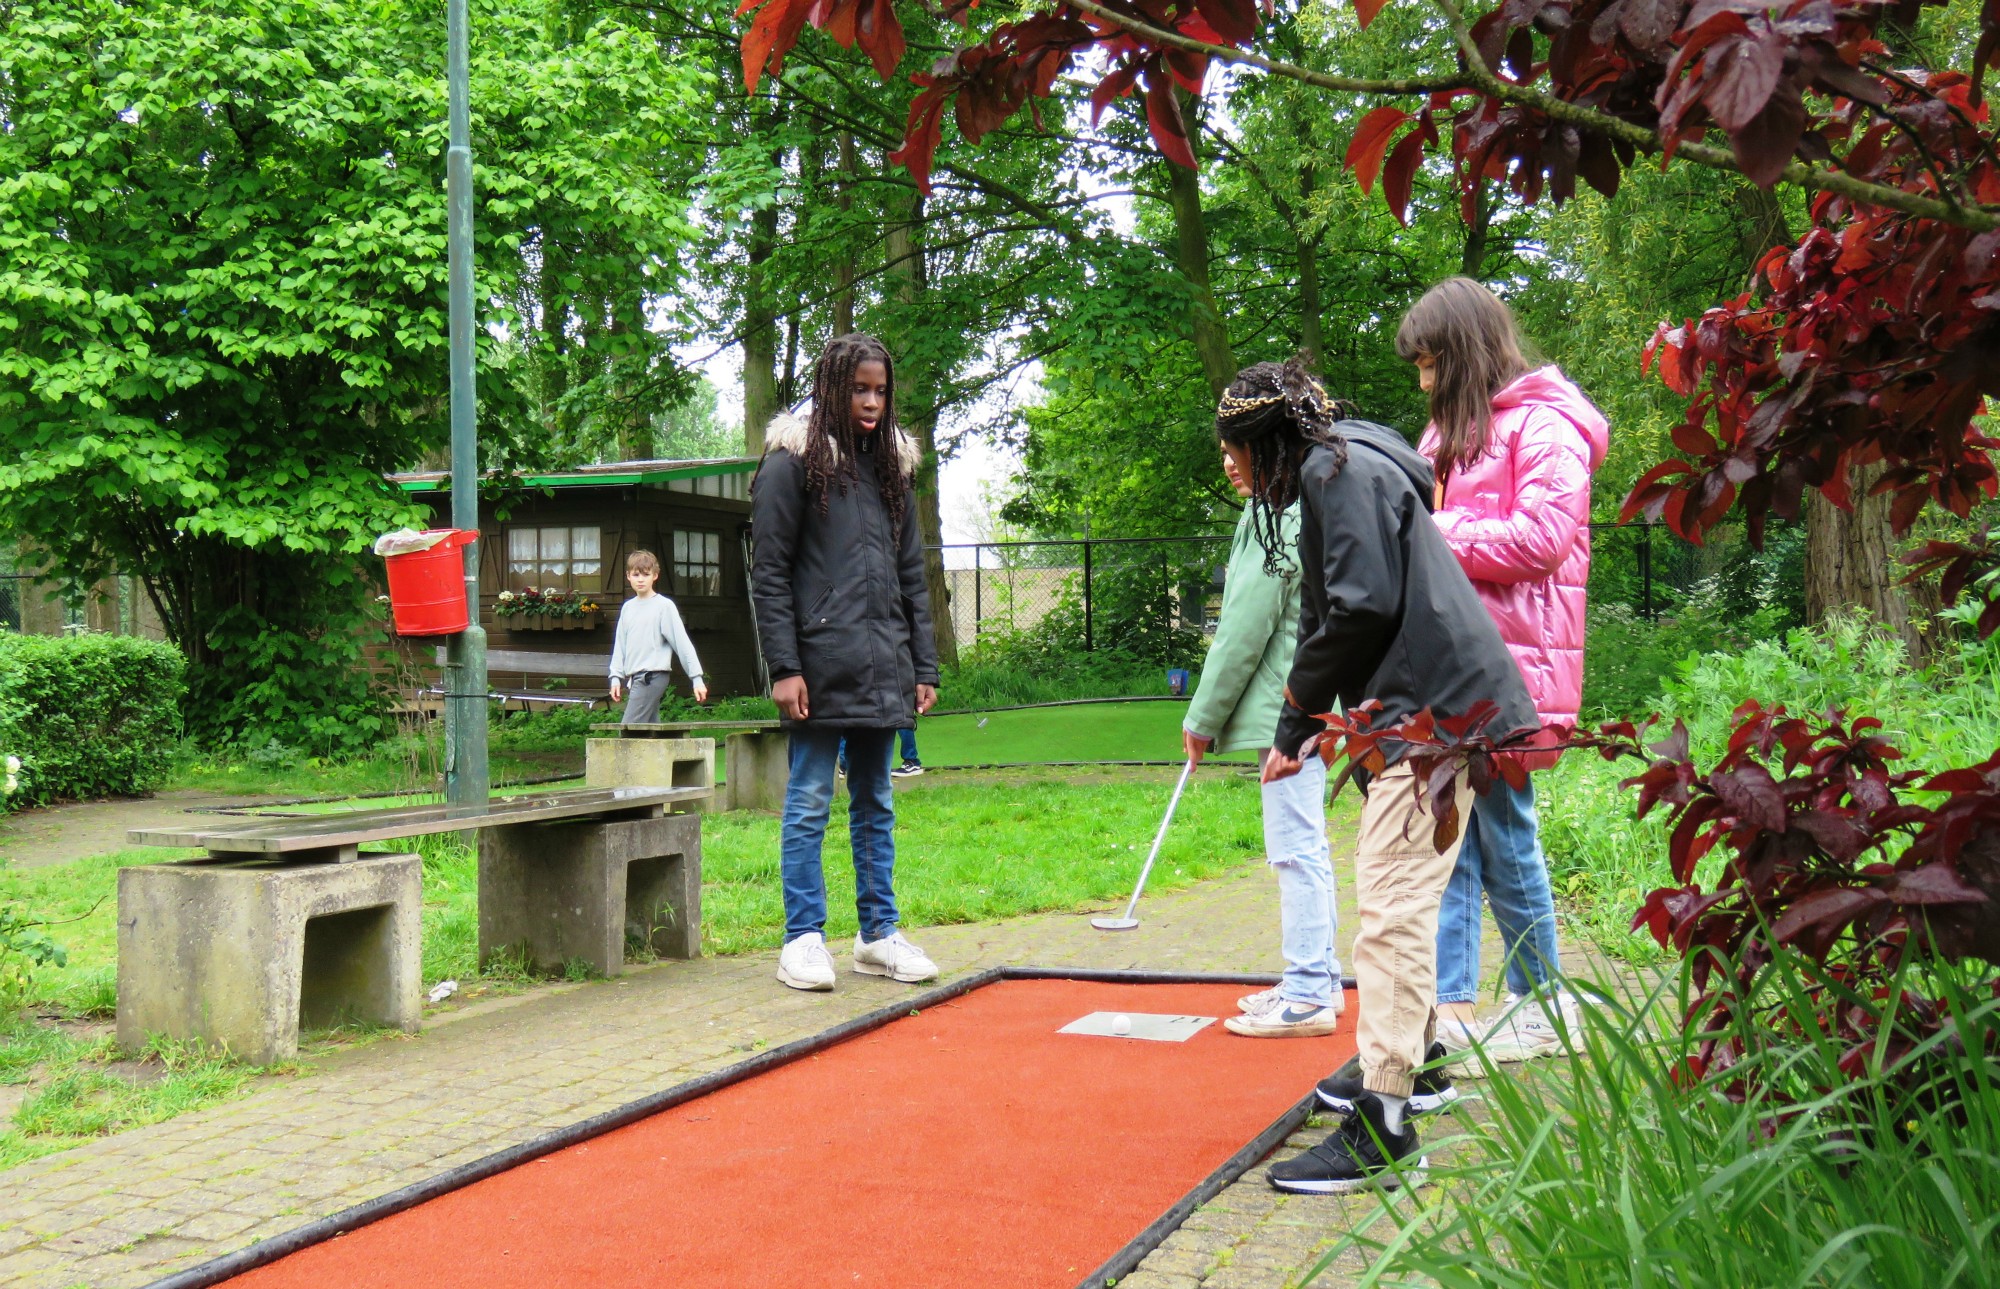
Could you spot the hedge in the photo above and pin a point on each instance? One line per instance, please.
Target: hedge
(89, 716)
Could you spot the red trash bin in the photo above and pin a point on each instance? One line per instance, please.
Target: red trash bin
(427, 587)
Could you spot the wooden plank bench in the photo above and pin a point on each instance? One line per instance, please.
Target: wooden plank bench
(757, 764)
(286, 921)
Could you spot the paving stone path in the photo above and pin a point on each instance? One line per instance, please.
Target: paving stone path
(145, 1203)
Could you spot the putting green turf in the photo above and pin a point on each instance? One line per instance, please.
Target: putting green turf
(1080, 732)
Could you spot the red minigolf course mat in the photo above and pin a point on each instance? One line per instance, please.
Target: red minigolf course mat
(970, 1143)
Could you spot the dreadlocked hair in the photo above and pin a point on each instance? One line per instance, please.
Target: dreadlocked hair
(832, 454)
(1277, 412)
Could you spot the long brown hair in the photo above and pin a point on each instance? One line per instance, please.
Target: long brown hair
(1471, 336)
(830, 457)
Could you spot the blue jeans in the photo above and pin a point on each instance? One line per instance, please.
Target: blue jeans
(905, 739)
(1501, 855)
(1295, 846)
(871, 825)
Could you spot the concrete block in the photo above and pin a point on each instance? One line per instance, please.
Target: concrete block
(241, 954)
(570, 891)
(651, 763)
(760, 768)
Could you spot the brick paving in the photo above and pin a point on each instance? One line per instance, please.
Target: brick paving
(142, 1204)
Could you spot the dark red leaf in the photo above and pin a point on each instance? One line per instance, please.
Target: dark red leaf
(1399, 175)
(1163, 118)
(1934, 883)
(1765, 144)
(1371, 140)
(1751, 795)
(1824, 912)
(1235, 21)
(1740, 75)
(1366, 10)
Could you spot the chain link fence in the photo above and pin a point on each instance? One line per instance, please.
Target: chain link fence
(1145, 594)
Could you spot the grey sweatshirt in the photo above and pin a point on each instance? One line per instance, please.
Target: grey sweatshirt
(650, 637)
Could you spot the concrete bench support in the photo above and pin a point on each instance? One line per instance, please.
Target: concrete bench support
(759, 767)
(564, 892)
(240, 955)
(651, 763)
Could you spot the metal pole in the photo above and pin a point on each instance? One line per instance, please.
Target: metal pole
(978, 608)
(1089, 642)
(465, 780)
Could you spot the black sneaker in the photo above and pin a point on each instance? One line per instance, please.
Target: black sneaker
(1434, 1091)
(907, 770)
(1361, 1154)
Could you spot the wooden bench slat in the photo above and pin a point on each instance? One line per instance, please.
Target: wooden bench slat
(679, 727)
(354, 827)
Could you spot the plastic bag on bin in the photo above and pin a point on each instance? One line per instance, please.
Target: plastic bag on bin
(405, 541)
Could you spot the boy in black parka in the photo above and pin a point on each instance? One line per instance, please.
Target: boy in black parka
(843, 614)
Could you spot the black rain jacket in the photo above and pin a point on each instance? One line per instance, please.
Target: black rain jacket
(839, 598)
(1388, 614)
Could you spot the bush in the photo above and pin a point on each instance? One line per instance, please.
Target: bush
(1617, 1168)
(89, 716)
(1026, 667)
(1603, 861)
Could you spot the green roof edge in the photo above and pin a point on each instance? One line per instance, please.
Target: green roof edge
(572, 479)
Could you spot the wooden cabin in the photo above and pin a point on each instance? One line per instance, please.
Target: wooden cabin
(571, 530)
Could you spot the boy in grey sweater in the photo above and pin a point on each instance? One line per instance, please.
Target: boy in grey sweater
(650, 637)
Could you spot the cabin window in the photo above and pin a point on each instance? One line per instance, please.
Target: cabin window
(697, 563)
(569, 559)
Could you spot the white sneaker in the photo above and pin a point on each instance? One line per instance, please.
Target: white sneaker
(1525, 1031)
(804, 963)
(1290, 1020)
(1265, 999)
(1457, 1036)
(1258, 1003)
(894, 957)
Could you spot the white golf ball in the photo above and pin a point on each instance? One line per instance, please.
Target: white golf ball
(1121, 1025)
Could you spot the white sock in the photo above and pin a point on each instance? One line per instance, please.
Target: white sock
(1392, 1111)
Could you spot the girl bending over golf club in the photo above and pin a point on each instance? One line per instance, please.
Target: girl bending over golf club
(1236, 706)
(1387, 615)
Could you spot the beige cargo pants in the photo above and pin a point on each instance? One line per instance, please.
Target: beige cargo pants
(1399, 880)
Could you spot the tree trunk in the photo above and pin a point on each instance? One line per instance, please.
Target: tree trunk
(917, 403)
(1310, 342)
(1761, 224)
(760, 334)
(1210, 336)
(843, 260)
(1472, 259)
(1851, 561)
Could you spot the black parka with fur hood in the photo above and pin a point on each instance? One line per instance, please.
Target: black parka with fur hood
(839, 598)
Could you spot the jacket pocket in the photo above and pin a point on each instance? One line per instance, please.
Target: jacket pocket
(811, 617)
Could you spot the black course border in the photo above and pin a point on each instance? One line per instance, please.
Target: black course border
(217, 1270)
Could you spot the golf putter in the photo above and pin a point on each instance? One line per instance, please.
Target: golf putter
(1125, 922)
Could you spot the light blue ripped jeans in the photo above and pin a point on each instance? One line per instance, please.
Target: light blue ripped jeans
(1295, 846)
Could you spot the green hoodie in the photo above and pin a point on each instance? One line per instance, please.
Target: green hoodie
(1243, 679)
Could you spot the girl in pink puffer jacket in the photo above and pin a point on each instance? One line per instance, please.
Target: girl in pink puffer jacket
(1513, 447)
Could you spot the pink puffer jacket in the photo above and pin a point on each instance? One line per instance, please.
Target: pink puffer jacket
(1518, 520)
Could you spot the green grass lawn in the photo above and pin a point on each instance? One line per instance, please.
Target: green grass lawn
(1082, 732)
(967, 850)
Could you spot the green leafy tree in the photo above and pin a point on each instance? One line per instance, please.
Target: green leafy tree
(222, 297)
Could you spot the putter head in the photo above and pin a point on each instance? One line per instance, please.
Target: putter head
(1114, 924)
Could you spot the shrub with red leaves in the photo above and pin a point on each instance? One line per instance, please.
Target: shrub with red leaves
(1826, 855)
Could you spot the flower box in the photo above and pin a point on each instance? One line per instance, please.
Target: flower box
(545, 609)
(550, 622)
